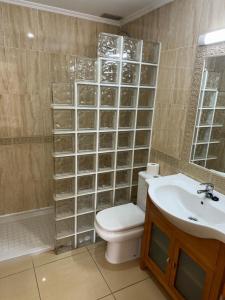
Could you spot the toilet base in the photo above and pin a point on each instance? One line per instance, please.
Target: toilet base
(120, 252)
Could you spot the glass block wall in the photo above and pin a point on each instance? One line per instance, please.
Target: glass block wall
(102, 133)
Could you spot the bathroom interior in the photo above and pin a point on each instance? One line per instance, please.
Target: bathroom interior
(112, 149)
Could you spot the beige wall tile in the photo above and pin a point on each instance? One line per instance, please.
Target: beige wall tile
(28, 67)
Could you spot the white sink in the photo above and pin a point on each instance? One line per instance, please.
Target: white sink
(177, 199)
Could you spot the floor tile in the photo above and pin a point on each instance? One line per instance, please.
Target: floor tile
(74, 277)
(21, 286)
(110, 297)
(15, 265)
(50, 256)
(120, 275)
(144, 290)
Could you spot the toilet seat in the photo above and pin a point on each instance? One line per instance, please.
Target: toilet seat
(120, 218)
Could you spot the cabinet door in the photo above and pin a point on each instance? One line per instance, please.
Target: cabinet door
(189, 279)
(159, 250)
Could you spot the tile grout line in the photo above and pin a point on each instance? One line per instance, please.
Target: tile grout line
(131, 285)
(100, 272)
(50, 262)
(6, 276)
(36, 280)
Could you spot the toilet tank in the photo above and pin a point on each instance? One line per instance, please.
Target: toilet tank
(142, 189)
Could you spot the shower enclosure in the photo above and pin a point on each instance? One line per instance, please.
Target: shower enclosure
(102, 134)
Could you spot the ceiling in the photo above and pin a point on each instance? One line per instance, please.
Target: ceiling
(127, 9)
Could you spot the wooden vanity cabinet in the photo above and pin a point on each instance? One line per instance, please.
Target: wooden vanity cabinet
(188, 267)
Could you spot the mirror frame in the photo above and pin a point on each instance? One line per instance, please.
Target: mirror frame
(202, 52)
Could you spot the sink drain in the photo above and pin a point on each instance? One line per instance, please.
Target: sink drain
(193, 219)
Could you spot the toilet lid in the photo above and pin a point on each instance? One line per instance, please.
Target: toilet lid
(120, 217)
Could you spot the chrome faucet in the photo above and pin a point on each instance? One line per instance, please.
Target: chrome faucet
(209, 187)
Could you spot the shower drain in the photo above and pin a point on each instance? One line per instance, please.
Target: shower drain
(193, 219)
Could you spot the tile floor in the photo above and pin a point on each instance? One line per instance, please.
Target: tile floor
(81, 274)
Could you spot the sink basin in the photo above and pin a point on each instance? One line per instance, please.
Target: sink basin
(177, 199)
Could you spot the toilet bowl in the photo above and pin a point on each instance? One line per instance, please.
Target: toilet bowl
(122, 226)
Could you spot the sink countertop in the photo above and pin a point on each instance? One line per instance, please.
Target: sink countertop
(176, 197)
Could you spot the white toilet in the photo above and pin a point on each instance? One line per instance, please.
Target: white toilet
(122, 226)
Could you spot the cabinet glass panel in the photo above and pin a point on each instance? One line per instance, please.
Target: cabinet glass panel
(190, 278)
(159, 248)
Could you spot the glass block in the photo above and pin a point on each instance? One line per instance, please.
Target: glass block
(144, 119)
(206, 117)
(216, 134)
(64, 143)
(136, 172)
(124, 159)
(109, 96)
(85, 222)
(140, 157)
(126, 119)
(107, 119)
(148, 75)
(150, 52)
(64, 165)
(130, 73)
(85, 184)
(109, 45)
(215, 150)
(86, 163)
(142, 138)
(87, 95)
(86, 69)
(106, 161)
(104, 200)
(110, 71)
(209, 99)
(85, 203)
(64, 245)
(106, 141)
(63, 119)
(219, 117)
(64, 228)
(131, 49)
(146, 97)
(213, 80)
(85, 238)
(128, 97)
(62, 93)
(134, 191)
(123, 178)
(200, 151)
(65, 208)
(64, 188)
(203, 135)
(86, 119)
(105, 180)
(221, 99)
(125, 139)
(122, 196)
(86, 142)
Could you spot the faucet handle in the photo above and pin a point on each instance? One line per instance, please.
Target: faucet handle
(208, 185)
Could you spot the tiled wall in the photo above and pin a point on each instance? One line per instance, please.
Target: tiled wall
(27, 69)
(177, 25)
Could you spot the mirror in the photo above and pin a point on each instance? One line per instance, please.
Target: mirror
(208, 145)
